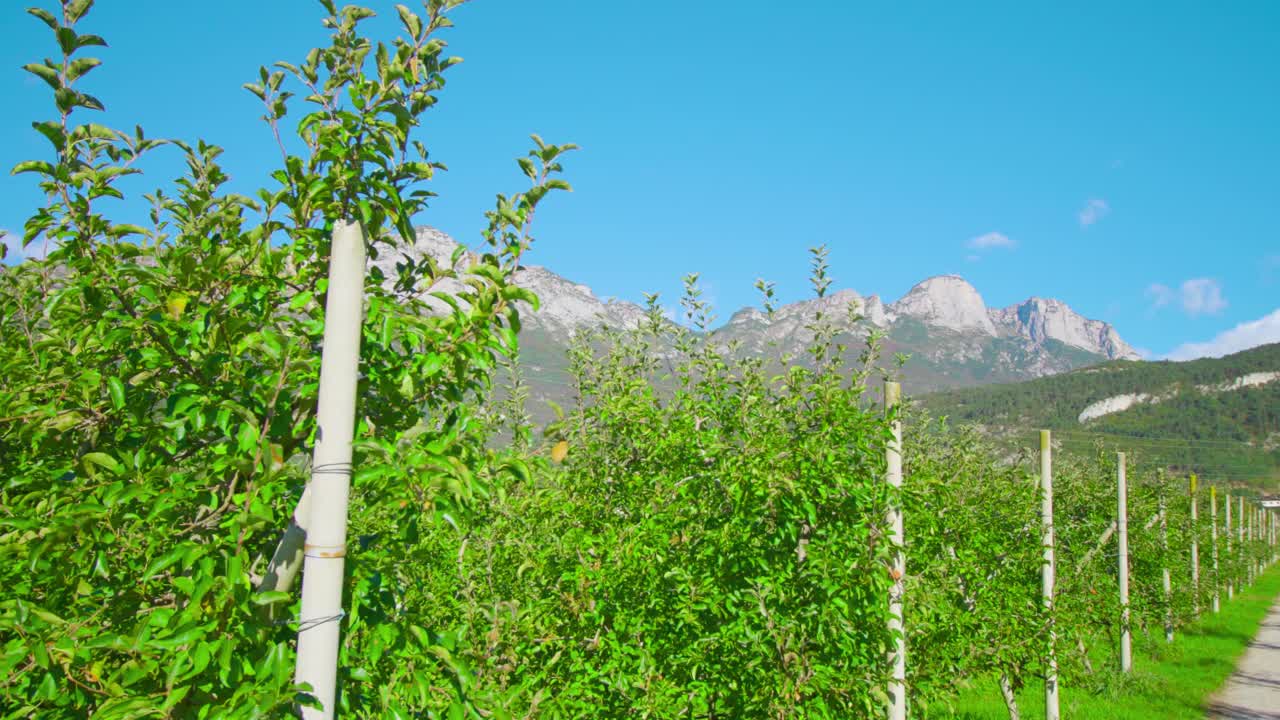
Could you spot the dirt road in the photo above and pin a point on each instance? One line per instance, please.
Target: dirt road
(1253, 691)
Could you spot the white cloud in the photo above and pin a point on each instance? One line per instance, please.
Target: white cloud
(1197, 296)
(1202, 296)
(14, 252)
(1093, 211)
(991, 240)
(1241, 337)
(1160, 295)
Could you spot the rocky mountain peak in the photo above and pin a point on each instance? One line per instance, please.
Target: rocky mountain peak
(946, 301)
(565, 306)
(834, 307)
(962, 342)
(1040, 319)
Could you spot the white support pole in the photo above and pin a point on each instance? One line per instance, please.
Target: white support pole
(1253, 539)
(1122, 536)
(1217, 576)
(1240, 546)
(1195, 549)
(326, 547)
(1047, 574)
(1231, 576)
(893, 459)
(1253, 567)
(1166, 580)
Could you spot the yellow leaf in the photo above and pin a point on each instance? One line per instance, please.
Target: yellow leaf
(176, 304)
(560, 451)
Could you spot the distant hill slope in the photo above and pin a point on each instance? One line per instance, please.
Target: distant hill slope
(1217, 416)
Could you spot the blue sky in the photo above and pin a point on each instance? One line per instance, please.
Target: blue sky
(1123, 157)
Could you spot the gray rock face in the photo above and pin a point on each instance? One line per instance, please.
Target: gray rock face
(568, 306)
(942, 323)
(946, 301)
(1040, 319)
(565, 306)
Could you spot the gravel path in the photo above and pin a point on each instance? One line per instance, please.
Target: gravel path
(1253, 691)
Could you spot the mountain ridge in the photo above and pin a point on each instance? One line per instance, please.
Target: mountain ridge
(942, 324)
(947, 302)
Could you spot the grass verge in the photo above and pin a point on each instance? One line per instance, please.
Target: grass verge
(1169, 681)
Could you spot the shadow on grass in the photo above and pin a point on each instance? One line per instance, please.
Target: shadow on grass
(1223, 711)
(1170, 681)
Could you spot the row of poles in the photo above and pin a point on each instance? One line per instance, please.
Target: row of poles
(1251, 522)
(323, 509)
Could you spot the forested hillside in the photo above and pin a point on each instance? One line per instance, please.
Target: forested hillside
(1217, 416)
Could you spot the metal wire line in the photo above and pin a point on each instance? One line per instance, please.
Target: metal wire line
(1217, 443)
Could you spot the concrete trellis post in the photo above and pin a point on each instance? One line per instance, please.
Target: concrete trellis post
(1195, 549)
(893, 461)
(1047, 574)
(1253, 568)
(1166, 581)
(325, 551)
(1213, 513)
(1231, 576)
(1122, 537)
(1240, 532)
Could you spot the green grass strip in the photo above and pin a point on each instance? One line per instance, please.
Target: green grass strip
(1168, 681)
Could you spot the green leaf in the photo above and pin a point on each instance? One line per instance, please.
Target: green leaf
(301, 299)
(100, 459)
(80, 67)
(48, 689)
(527, 166)
(119, 231)
(412, 23)
(432, 364)
(520, 469)
(67, 40)
(46, 73)
(116, 389)
(513, 292)
(45, 16)
(247, 437)
(164, 561)
(77, 9)
(36, 166)
(52, 131)
(88, 40)
(47, 616)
